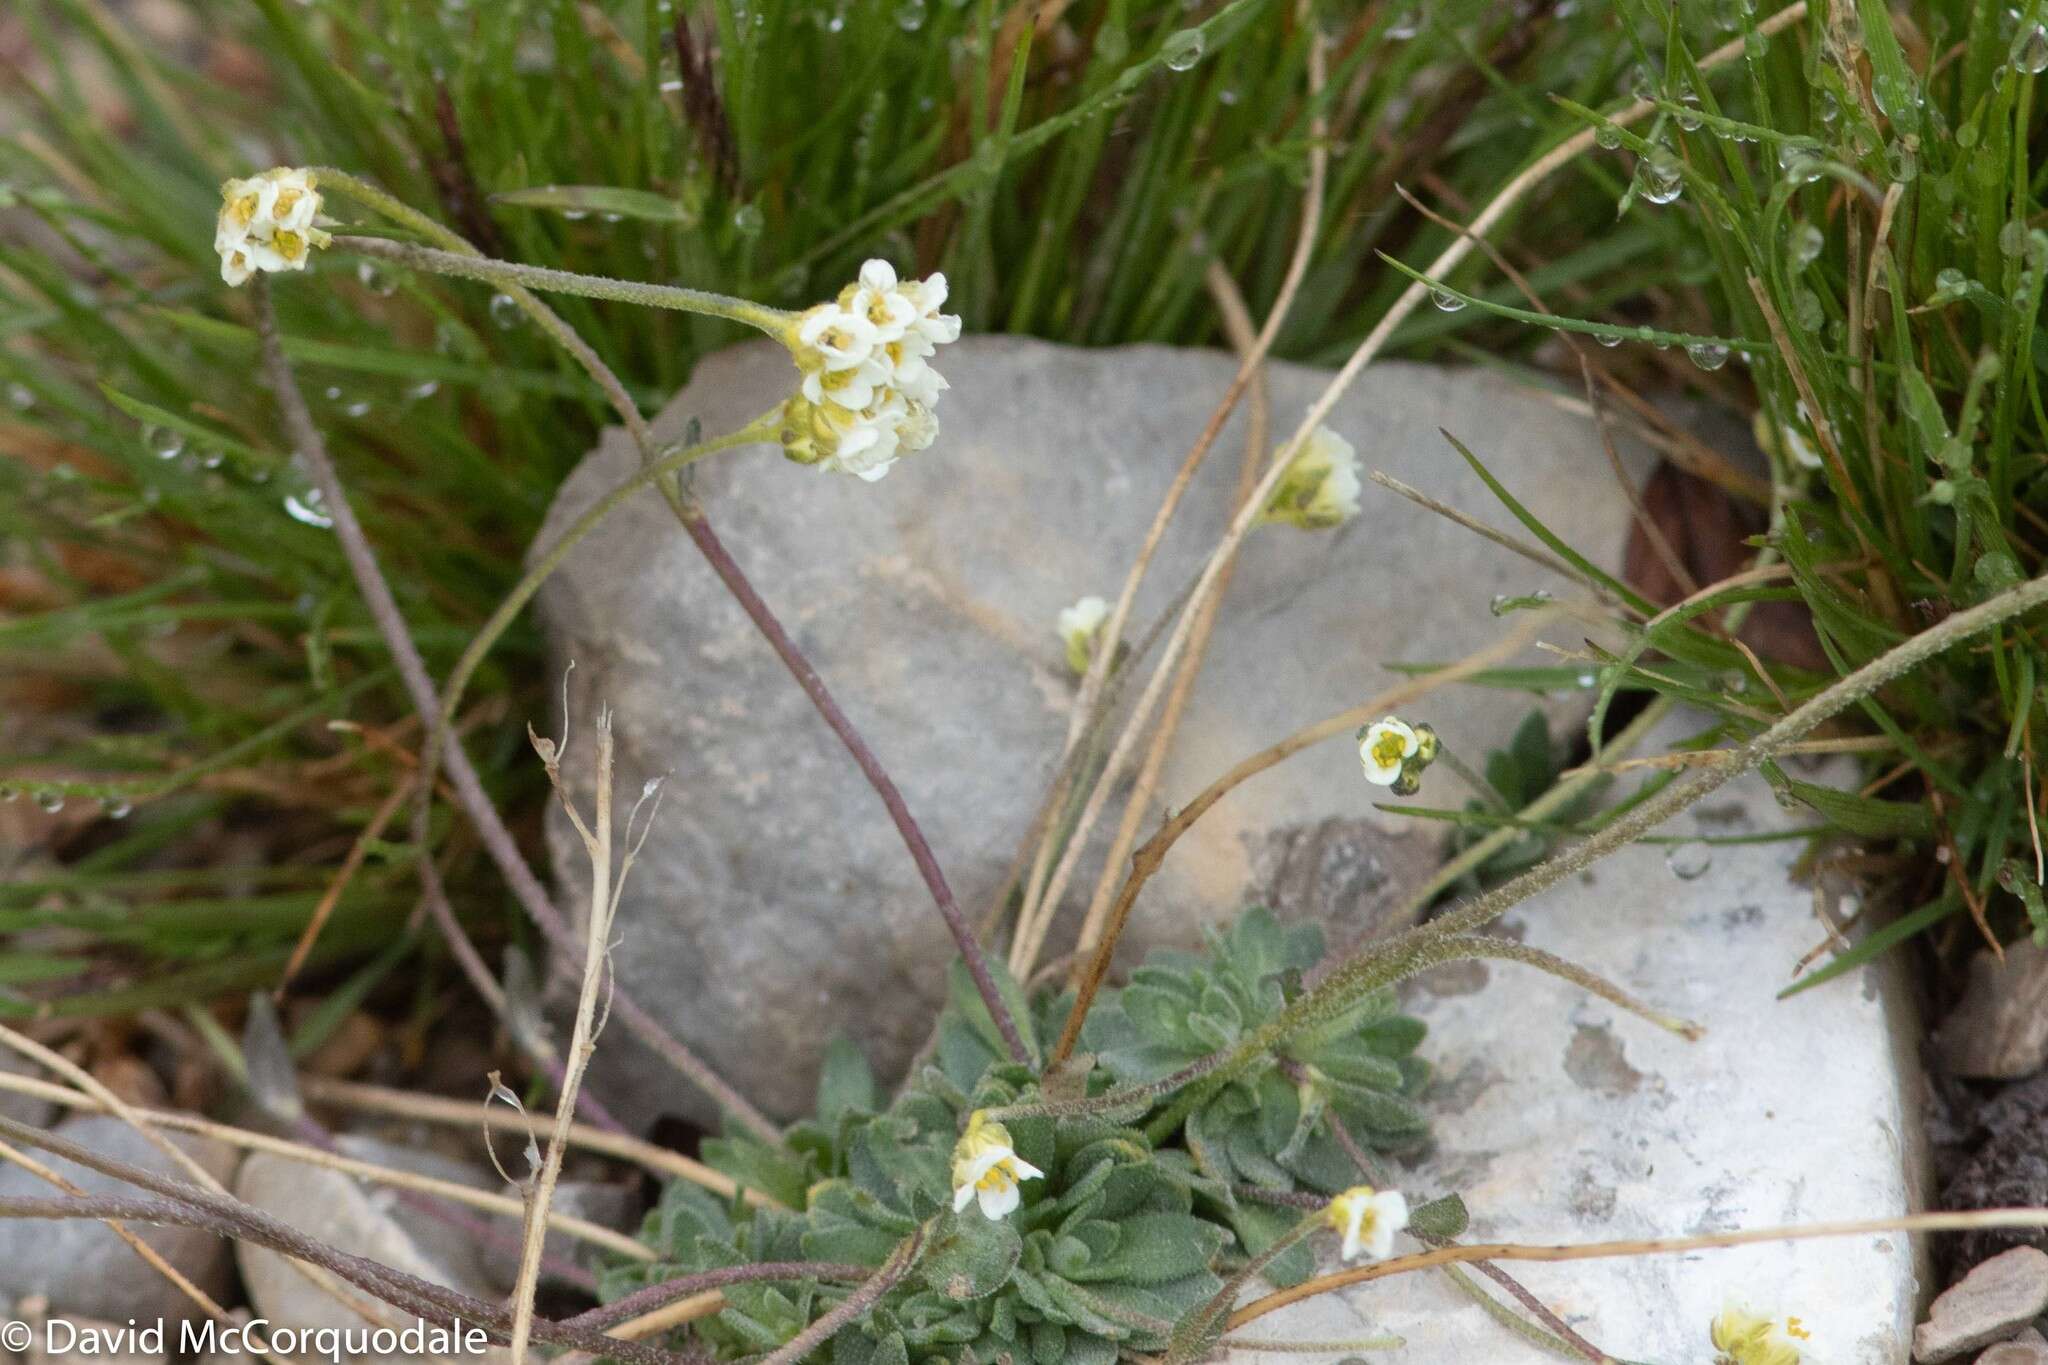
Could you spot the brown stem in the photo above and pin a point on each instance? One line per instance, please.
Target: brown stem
(757, 610)
(397, 636)
(683, 1286)
(859, 1301)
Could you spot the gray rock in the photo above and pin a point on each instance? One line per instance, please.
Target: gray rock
(1999, 1030)
(611, 1206)
(1559, 1118)
(352, 1216)
(81, 1267)
(2028, 1348)
(774, 905)
(1991, 1303)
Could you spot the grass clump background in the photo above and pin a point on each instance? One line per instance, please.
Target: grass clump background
(1833, 234)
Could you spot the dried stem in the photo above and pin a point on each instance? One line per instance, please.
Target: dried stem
(1041, 903)
(1152, 853)
(594, 1233)
(375, 1099)
(597, 941)
(1564, 154)
(1594, 1251)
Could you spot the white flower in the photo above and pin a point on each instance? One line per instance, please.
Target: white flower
(839, 339)
(987, 1168)
(1078, 625)
(867, 395)
(266, 222)
(1384, 747)
(1321, 486)
(1368, 1220)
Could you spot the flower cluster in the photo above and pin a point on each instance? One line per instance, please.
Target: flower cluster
(266, 223)
(1395, 753)
(1742, 1338)
(1320, 488)
(1078, 627)
(868, 392)
(987, 1167)
(1368, 1219)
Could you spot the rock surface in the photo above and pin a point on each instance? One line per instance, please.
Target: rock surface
(1999, 1030)
(36, 1113)
(2006, 1169)
(1562, 1119)
(2028, 1348)
(1991, 1303)
(82, 1268)
(355, 1217)
(774, 905)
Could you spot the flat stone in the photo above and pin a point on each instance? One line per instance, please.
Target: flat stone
(774, 905)
(1560, 1118)
(351, 1216)
(1999, 1030)
(2028, 1348)
(1991, 1303)
(81, 1267)
(26, 1109)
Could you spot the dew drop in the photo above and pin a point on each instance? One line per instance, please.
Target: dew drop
(373, 276)
(50, 802)
(1708, 355)
(166, 443)
(20, 397)
(1807, 311)
(1404, 26)
(505, 311)
(1608, 339)
(748, 221)
(1803, 245)
(910, 15)
(2012, 238)
(2030, 50)
(1183, 49)
(1690, 860)
(426, 388)
(118, 810)
(1949, 284)
(1445, 300)
(1607, 135)
(1506, 602)
(307, 509)
(1659, 177)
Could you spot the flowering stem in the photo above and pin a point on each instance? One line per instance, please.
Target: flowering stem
(858, 1302)
(774, 321)
(1195, 1335)
(728, 570)
(800, 668)
(683, 1286)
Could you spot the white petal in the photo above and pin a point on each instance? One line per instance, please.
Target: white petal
(1022, 1169)
(963, 1196)
(1001, 1201)
(878, 274)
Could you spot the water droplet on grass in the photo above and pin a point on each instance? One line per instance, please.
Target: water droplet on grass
(1182, 50)
(1659, 176)
(374, 277)
(504, 310)
(1689, 860)
(166, 443)
(1445, 300)
(1803, 245)
(1708, 355)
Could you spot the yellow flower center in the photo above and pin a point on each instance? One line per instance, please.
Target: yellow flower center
(290, 245)
(285, 199)
(242, 210)
(1389, 749)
